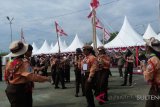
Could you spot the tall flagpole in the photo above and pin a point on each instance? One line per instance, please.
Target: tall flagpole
(103, 35)
(58, 43)
(94, 30)
(56, 25)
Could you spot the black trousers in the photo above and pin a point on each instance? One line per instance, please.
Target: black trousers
(120, 70)
(154, 92)
(83, 81)
(79, 82)
(128, 70)
(18, 97)
(67, 74)
(60, 77)
(102, 83)
(53, 73)
(88, 91)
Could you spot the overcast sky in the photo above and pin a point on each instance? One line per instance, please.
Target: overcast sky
(37, 17)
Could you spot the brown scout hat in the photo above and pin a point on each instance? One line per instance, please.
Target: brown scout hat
(153, 43)
(18, 48)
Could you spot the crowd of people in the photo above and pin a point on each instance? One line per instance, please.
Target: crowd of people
(92, 70)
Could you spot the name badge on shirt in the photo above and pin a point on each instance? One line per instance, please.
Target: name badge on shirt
(85, 66)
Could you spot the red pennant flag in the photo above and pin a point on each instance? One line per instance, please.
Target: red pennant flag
(90, 15)
(106, 35)
(22, 36)
(59, 30)
(94, 3)
(98, 24)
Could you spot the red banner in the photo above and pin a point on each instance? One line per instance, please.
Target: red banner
(94, 3)
(59, 30)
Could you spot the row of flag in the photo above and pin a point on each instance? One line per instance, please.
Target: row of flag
(94, 4)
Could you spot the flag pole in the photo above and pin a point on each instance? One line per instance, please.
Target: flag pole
(56, 25)
(94, 30)
(22, 36)
(58, 43)
(103, 35)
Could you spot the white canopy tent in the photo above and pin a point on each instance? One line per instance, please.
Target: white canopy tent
(64, 44)
(35, 49)
(45, 48)
(127, 37)
(5, 58)
(99, 43)
(150, 33)
(51, 45)
(76, 43)
(158, 36)
(55, 49)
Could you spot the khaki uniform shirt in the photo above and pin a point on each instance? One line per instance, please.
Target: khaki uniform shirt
(153, 67)
(104, 60)
(91, 62)
(77, 62)
(22, 73)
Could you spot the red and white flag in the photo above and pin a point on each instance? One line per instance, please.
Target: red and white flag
(94, 4)
(59, 30)
(90, 15)
(22, 36)
(106, 35)
(99, 24)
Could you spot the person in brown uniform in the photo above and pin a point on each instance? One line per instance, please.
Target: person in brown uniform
(77, 69)
(18, 76)
(59, 72)
(88, 68)
(102, 73)
(53, 60)
(120, 63)
(66, 68)
(152, 71)
(129, 64)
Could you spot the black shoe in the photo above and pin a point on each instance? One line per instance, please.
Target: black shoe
(130, 85)
(76, 95)
(91, 106)
(123, 85)
(56, 87)
(106, 99)
(101, 103)
(83, 94)
(64, 87)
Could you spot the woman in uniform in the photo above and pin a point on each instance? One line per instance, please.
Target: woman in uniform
(19, 75)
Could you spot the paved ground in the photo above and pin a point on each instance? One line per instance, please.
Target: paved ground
(45, 95)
